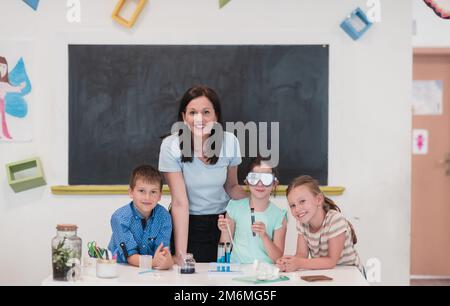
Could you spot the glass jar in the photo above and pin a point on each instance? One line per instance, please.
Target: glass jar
(66, 253)
(188, 264)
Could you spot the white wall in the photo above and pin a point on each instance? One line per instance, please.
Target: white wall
(370, 117)
(431, 30)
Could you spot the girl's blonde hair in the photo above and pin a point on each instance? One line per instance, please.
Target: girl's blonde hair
(313, 186)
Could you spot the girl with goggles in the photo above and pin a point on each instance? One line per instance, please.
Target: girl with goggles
(255, 226)
(265, 178)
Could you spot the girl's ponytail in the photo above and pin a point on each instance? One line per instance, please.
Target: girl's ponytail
(330, 205)
(313, 186)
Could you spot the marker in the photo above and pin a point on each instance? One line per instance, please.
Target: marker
(252, 211)
(124, 249)
(151, 245)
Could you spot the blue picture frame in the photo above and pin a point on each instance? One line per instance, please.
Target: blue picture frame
(348, 26)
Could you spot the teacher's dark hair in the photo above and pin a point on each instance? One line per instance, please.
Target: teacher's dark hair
(192, 93)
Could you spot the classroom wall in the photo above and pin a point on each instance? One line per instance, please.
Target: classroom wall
(369, 124)
(430, 30)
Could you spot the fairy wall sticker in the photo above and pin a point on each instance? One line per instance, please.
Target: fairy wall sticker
(14, 87)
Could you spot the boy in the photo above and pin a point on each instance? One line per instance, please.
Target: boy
(142, 227)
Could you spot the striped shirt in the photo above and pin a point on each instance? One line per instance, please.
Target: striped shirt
(333, 225)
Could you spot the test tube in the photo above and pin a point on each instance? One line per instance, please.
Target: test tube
(220, 252)
(224, 253)
(252, 212)
(227, 255)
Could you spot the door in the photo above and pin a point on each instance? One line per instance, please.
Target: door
(430, 214)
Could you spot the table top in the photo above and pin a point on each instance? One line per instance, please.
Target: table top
(129, 276)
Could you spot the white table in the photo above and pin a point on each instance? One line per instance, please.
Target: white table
(129, 276)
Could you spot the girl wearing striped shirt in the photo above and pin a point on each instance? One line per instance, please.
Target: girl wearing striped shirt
(325, 237)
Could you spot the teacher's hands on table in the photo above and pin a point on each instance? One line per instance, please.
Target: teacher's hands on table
(178, 259)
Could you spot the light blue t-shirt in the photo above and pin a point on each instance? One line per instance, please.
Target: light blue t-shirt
(204, 183)
(247, 247)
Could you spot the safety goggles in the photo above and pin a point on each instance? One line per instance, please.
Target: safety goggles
(266, 178)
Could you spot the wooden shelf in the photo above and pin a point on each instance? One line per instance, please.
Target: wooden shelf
(123, 190)
(26, 174)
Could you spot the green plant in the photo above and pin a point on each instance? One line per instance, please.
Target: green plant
(60, 258)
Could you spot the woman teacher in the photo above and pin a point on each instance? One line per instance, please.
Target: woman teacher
(201, 173)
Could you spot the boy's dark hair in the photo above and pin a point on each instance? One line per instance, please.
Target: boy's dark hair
(146, 173)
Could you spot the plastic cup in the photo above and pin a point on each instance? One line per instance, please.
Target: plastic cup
(145, 262)
(106, 268)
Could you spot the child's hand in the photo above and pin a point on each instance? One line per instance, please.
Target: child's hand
(260, 229)
(157, 256)
(22, 85)
(166, 261)
(162, 259)
(280, 265)
(289, 263)
(222, 223)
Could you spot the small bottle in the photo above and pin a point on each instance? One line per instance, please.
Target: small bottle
(66, 253)
(188, 265)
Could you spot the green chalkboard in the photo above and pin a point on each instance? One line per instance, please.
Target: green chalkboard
(123, 98)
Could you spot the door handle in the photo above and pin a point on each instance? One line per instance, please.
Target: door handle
(446, 162)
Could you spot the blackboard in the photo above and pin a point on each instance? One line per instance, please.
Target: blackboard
(123, 98)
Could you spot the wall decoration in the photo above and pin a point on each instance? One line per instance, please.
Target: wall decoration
(222, 3)
(440, 7)
(25, 174)
(32, 3)
(127, 23)
(356, 24)
(15, 86)
(428, 97)
(420, 142)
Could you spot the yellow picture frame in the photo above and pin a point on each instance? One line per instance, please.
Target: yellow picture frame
(127, 23)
